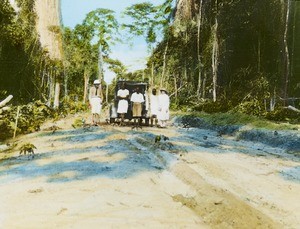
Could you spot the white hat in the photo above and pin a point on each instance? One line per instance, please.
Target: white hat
(164, 89)
(97, 82)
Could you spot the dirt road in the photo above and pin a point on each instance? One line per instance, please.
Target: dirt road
(116, 177)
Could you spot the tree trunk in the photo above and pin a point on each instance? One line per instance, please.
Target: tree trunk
(164, 66)
(86, 81)
(176, 89)
(259, 53)
(100, 66)
(204, 86)
(215, 54)
(51, 88)
(198, 49)
(66, 83)
(152, 74)
(106, 94)
(286, 53)
(56, 95)
(293, 40)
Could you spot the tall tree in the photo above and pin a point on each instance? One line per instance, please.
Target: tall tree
(150, 21)
(104, 30)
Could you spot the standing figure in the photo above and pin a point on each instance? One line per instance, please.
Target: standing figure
(153, 107)
(163, 114)
(95, 100)
(137, 98)
(122, 96)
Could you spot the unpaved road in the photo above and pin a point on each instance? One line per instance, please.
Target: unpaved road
(116, 177)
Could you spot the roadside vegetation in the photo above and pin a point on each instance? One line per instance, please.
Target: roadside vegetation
(228, 66)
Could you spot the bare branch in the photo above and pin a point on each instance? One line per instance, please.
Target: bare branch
(5, 101)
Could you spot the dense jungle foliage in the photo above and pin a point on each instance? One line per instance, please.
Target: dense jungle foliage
(215, 55)
(233, 53)
(24, 64)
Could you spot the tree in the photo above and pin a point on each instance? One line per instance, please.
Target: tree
(149, 21)
(80, 53)
(117, 67)
(144, 22)
(104, 30)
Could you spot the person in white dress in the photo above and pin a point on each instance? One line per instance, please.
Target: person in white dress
(163, 114)
(153, 107)
(137, 99)
(95, 100)
(122, 96)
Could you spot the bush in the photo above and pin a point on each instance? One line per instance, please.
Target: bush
(68, 106)
(282, 115)
(31, 116)
(252, 107)
(213, 107)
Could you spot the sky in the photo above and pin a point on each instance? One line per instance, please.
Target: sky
(134, 56)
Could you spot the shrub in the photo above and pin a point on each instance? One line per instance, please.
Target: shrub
(252, 107)
(282, 114)
(213, 107)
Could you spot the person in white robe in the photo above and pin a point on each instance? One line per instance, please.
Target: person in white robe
(95, 100)
(163, 114)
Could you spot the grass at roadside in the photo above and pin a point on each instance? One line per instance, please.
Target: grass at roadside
(233, 118)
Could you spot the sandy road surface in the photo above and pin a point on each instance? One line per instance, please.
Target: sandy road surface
(116, 177)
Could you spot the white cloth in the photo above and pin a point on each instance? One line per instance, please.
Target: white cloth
(137, 98)
(96, 105)
(163, 107)
(153, 104)
(146, 101)
(123, 103)
(123, 93)
(95, 100)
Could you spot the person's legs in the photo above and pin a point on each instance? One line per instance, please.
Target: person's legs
(159, 123)
(153, 119)
(122, 119)
(97, 119)
(93, 119)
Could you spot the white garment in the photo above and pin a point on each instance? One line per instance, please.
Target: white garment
(123, 93)
(146, 101)
(153, 104)
(123, 103)
(95, 100)
(163, 107)
(96, 105)
(137, 98)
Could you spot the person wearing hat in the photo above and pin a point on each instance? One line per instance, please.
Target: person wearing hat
(163, 114)
(95, 99)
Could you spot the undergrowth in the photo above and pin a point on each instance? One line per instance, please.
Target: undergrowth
(234, 118)
(32, 115)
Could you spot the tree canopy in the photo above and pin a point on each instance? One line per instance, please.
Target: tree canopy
(222, 52)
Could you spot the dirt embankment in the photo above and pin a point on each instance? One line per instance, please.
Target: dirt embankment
(122, 178)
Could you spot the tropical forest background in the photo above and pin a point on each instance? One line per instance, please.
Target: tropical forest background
(214, 56)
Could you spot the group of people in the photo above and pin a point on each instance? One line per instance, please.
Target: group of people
(157, 106)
